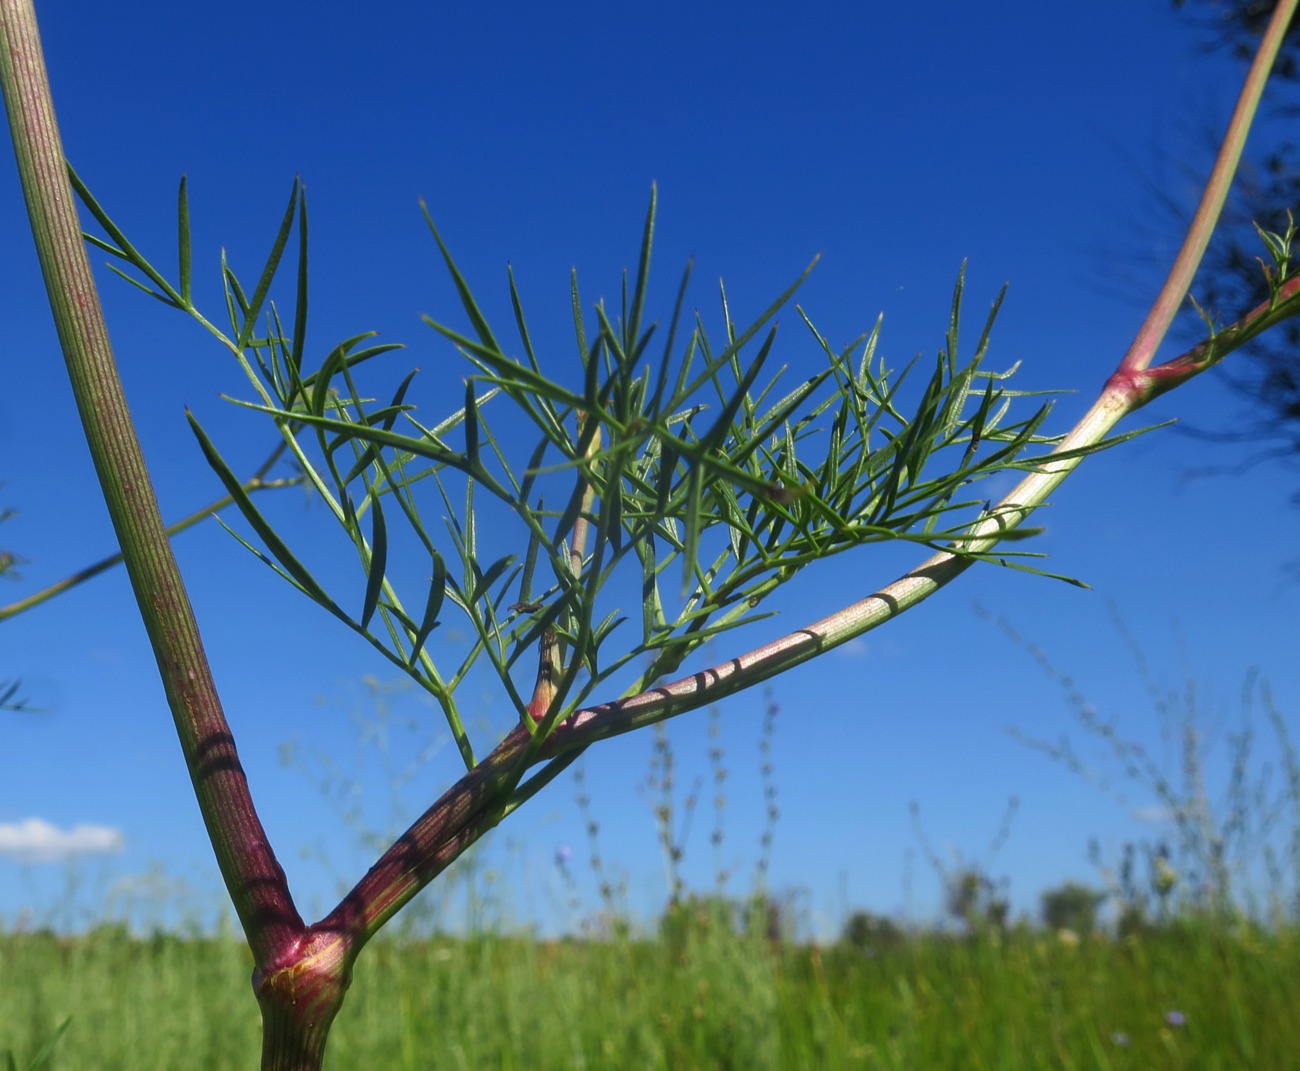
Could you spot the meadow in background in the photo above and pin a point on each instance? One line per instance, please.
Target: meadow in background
(1179, 957)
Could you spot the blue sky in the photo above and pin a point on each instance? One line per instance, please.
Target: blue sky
(896, 140)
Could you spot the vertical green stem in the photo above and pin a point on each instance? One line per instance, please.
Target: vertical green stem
(248, 865)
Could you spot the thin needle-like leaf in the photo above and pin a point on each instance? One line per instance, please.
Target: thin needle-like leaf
(378, 560)
(432, 606)
(471, 425)
(666, 363)
(278, 548)
(633, 318)
(576, 301)
(530, 561)
(299, 342)
(518, 307)
(462, 288)
(124, 249)
(183, 241)
(254, 306)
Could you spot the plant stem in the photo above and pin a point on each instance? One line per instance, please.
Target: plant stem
(1167, 303)
(303, 972)
(252, 874)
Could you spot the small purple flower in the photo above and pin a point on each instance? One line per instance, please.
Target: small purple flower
(1175, 1018)
(1118, 1037)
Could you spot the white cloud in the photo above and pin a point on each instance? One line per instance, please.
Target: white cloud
(854, 648)
(35, 840)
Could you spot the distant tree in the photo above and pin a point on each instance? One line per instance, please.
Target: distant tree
(769, 918)
(970, 895)
(977, 900)
(695, 916)
(1239, 24)
(865, 932)
(1071, 906)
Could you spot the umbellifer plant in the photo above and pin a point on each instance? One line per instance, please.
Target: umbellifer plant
(668, 468)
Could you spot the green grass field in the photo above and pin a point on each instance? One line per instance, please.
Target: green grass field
(1189, 997)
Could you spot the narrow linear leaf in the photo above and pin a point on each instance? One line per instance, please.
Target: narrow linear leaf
(125, 250)
(299, 342)
(662, 382)
(591, 400)
(378, 560)
(493, 574)
(169, 302)
(578, 327)
(633, 318)
(715, 436)
(531, 473)
(696, 636)
(981, 347)
(389, 415)
(265, 559)
(265, 532)
(954, 319)
(183, 240)
(236, 292)
(471, 572)
(738, 343)
(694, 494)
(471, 423)
(272, 264)
(403, 618)
(462, 288)
(432, 605)
(426, 446)
(334, 361)
(350, 357)
(530, 560)
(517, 304)
(667, 473)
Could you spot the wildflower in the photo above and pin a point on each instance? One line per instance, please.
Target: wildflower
(1118, 1037)
(1166, 877)
(1175, 1018)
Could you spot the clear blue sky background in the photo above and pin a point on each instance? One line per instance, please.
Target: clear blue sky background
(897, 140)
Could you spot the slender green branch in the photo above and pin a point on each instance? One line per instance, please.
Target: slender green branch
(256, 482)
(1170, 299)
(472, 806)
(248, 865)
